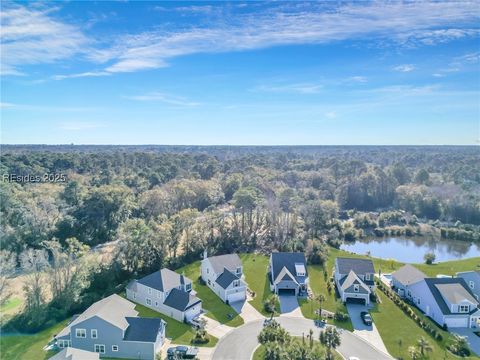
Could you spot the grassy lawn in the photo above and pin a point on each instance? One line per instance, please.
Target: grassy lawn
(394, 325)
(179, 332)
(255, 268)
(10, 306)
(216, 308)
(450, 267)
(29, 347)
(259, 353)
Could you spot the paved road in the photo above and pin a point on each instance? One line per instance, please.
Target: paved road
(240, 343)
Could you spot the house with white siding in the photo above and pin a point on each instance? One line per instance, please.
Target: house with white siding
(168, 293)
(404, 278)
(223, 274)
(447, 301)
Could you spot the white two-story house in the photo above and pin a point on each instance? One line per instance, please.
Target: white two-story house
(447, 301)
(354, 279)
(168, 293)
(404, 278)
(223, 274)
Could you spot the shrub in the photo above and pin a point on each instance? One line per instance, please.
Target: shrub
(341, 316)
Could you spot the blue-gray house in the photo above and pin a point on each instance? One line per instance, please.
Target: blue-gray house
(472, 278)
(112, 328)
(288, 273)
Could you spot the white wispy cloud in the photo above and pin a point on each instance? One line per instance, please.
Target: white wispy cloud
(299, 88)
(331, 115)
(79, 75)
(33, 36)
(4, 105)
(165, 98)
(359, 79)
(404, 68)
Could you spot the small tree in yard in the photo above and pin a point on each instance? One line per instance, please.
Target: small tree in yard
(270, 304)
(320, 299)
(459, 346)
(414, 353)
(429, 258)
(330, 338)
(424, 346)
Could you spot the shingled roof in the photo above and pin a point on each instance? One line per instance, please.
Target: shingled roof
(452, 289)
(162, 280)
(143, 329)
(226, 278)
(359, 266)
(229, 261)
(408, 275)
(181, 300)
(289, 261)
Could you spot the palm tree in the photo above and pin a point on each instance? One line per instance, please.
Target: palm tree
(320, 299)
(330, 338)
(310, 338)
(424, 346)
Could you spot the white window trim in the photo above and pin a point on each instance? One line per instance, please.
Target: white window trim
(92, 331)
(367, 276)
(356, 288)
(114, 349)
(148, 301)
(472, 284)
(149, 291)
(81, 337)
(99, 352)
(463, 308)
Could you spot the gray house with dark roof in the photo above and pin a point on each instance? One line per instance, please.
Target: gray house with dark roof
(447, 301)
(472, 278)
(223, 274)
(112, 328)
(288, 273)
(404, 278)
(354, 279)
(168, 293)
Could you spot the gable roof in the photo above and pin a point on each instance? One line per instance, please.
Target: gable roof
(228, 261)
(226, 278)
(359, 266)
(143, 329)
(113, 309)
(447, 292)
(408, 275)
(181, 300)
(285, 275)
(455, 293)
(289, 261)
(474, 273)
(352, 279)
(163, 280)
(75, 354)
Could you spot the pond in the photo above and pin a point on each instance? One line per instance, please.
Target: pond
(412, 249)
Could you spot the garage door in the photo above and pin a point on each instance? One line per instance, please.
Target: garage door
(234, 297)
(192, 312)
(456, 322)
(286, 292)
(351, 300)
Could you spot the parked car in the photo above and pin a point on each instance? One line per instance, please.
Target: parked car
(366, 318)
(182, 352)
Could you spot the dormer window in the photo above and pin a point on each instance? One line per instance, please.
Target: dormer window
(300, 269)
(367, 276)
(239, 270)
(463, 308)
(356, 288)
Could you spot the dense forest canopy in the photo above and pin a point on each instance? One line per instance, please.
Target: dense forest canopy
(162, 206)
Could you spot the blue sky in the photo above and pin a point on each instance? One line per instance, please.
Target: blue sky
(240, 73)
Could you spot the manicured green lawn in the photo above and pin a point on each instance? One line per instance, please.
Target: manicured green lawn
(394, 325)
(216, 308)
(10, 306)
(255, 268)
(29, 347)
(450, 267)
(179, 332)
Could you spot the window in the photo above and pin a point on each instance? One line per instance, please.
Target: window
(148, 301)
(239, 270)
(472, 284)
(356, 288)
(114, 347)
(208, 271)
(63, 343)
(209, 282)
(149, 291)
(80, 333)
(418, 301)
(236, 283)
(156, 303)
(409, 293)
(188, 287)
(159, 294)
(99, 348)
(134, 296)
(93, 333)
(367, 276)
(463, 308)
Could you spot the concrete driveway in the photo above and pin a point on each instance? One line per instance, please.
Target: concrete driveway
(246, 311)
(473, 340)
(289, 306)
(215, 328)
(368, 333)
